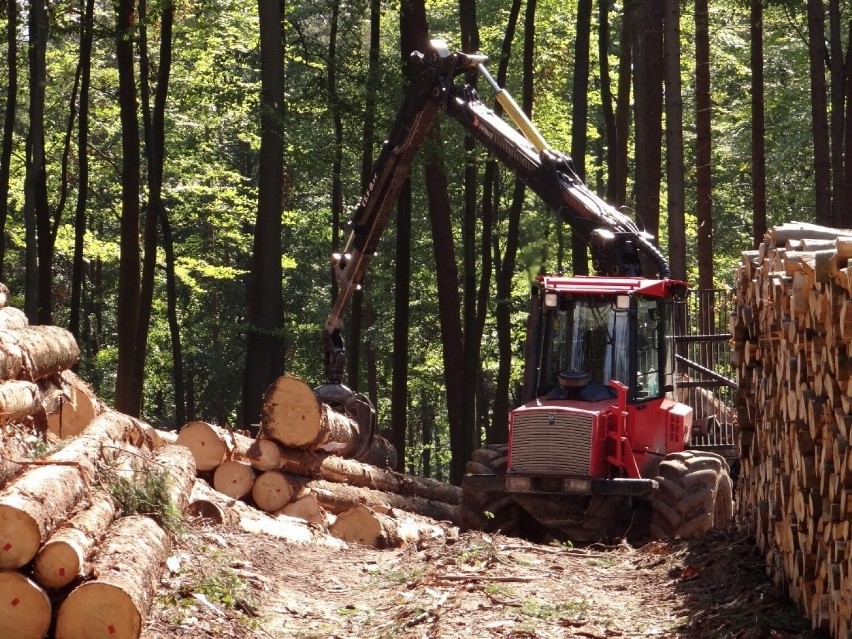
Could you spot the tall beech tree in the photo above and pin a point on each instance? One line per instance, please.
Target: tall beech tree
(265, 316)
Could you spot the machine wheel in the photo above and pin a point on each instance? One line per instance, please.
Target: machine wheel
(695, 495)
(492, 511)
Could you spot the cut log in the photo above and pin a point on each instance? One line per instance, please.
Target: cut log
(74, 406)
(234, 478)
(119, 597)
(211, 445)
(366, 526)
(178, 463)
(252, 520)
(12, 318)
(18, 400)
(271, 491)
(40, 499)
(25, 609)
(292, 415)
(4, 295)
(307, 508)
(338, 498)
(36, 351)
(210, 505)
(263, 453)
(317, 465)
(381, 454)
(62, 558)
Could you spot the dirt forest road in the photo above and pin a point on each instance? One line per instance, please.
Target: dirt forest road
(224, 584)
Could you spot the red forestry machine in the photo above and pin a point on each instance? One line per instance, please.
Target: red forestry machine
(600, 447)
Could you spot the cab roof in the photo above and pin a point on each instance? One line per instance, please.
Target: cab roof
(599, 285)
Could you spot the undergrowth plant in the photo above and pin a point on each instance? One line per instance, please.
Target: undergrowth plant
(145, 492)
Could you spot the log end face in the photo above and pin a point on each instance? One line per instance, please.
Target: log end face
(20, 537)
(206, 446)
(25, 610)
(58, 564)
(98, 611)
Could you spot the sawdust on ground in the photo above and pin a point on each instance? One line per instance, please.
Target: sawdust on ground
(225, 584)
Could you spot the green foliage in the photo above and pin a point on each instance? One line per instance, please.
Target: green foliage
(146, 492)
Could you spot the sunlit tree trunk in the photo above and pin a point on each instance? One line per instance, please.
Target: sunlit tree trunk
(580, 119)
(610, 129)
(703, 115)
(674, 142)
(623, 106)
(758, 127)
(8, 122)
(819, 112)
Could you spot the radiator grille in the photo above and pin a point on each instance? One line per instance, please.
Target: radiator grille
(551, 442)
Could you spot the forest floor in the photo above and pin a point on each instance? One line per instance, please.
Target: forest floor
(228, 584)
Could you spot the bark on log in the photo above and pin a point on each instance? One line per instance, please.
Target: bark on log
(369, 527)
(62, 558)
(317, 465)
(34, 504)
(4, 295)
(252, 520)
(307, 508)
(234, 478)
(211, 445)
(292, 415)
(36, 351)
(179, 465)
(271, 491)
(119, 597)
(25, 609)
(18, 400)
(338, 498)
(71, 405)
(12, 318)
(381, 454)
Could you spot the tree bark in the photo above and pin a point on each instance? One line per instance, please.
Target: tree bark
(817, 55)
(337, 498)
(18, 400)
(265, 316)
(9, 117)
(36, 351)
(34, 504)
(117, 600)
(62, 558)
(355, 473)
(25, 609)
(12, 318)
(703, 158)
(580, 120)
(758, 126)
(363, 525)
(675, 179)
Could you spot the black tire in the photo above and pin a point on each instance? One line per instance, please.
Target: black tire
(695, 495)
(492, 511)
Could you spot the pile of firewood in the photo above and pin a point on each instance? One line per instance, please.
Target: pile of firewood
(792, 346)
(298, 467)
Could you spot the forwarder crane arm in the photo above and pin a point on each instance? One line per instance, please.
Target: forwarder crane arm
(613, 238)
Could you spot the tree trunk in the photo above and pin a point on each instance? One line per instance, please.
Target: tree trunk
(674, 142)
(837, 94)
(363, 525)
(62, 558)
(76, 408)
(817, 55)
(8, 121)
(116, 602)
(36, 351)
(12, 318)
(25, 610)
(610, 130)
(127, 387)
(265, 317)
(758, 126)
(78, 271)
(580, 120)
(703, 159)
(623, 106)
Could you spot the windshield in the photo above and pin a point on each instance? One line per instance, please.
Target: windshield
(593, 335)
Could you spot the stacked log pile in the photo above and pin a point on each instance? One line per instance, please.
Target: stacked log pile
(792, 347)
(298, 467)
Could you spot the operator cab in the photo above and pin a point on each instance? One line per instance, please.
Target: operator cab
(593, 330)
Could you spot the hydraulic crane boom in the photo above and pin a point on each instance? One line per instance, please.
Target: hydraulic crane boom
(613, 238)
